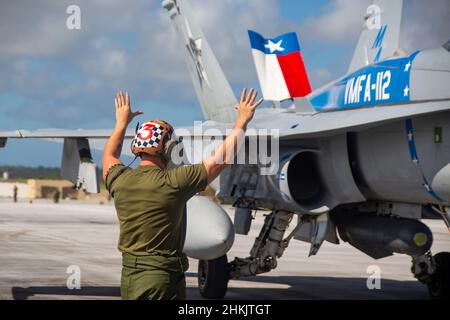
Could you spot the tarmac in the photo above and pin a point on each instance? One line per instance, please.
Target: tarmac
(45, 245)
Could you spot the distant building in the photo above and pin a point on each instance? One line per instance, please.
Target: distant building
(6, 175)
(46, 189)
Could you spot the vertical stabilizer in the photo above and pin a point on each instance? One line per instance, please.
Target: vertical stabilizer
(211, 86)
(279, 64)
(379, 38)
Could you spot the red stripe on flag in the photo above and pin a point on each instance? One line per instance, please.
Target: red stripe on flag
(295, 75)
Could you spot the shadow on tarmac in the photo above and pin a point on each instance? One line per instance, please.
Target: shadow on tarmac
(20, 293)
(297, 287)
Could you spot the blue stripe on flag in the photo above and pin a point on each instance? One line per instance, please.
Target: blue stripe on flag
(289, 43)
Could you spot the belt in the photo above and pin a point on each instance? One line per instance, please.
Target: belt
(155, 261)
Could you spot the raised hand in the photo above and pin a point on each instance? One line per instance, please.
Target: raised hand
(124, 115)
(247, 105)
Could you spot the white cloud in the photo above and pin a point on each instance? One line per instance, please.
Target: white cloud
(425, 24)
(320, 76)
(121, 45)
(132, 45)
(104, 59)
(341, 21)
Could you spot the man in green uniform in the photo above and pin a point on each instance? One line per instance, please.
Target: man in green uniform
(150, 200)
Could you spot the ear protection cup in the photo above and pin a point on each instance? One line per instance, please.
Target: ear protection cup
(132, 141)
(168, 148)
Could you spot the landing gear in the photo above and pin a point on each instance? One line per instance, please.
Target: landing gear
(213, 277)
(434, 271)
(268, 247)
(439, 283)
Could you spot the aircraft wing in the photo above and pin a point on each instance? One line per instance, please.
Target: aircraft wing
(294, 125)
(78, 166)
(59, 134)
(331, 123)
(289, 123)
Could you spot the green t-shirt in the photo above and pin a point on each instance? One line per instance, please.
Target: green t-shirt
(150, 206)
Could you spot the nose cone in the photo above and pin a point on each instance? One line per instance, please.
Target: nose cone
(210, 231)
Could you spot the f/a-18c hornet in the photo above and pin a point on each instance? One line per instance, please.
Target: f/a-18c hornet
(363, 159)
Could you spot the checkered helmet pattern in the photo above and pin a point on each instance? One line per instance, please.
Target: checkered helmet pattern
(151, 136)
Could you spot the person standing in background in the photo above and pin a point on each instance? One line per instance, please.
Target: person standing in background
(15, 191)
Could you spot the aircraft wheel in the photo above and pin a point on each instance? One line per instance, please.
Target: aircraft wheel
(439, 286)
(213, 278)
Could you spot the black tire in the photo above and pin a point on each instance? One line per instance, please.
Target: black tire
(439, 286)
(213, 278)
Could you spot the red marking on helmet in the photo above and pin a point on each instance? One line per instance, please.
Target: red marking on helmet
(146, 132)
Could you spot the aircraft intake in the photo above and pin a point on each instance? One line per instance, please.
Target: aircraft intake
(382, 236)
(301, 183)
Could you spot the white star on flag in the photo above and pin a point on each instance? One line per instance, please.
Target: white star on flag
(274, 46)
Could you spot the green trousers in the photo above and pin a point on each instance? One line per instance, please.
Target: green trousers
(153, 278)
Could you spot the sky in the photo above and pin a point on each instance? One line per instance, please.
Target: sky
(53, 77)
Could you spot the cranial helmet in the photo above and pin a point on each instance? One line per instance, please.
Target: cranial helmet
(154, 138)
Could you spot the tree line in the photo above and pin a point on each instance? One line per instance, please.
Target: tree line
(22, 172)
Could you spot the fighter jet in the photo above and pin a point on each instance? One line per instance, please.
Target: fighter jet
(362, 160)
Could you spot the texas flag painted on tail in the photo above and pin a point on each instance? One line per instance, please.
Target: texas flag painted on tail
(279, 65)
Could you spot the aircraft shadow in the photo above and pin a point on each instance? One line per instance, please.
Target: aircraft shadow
(317, 288)
(262, 287)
